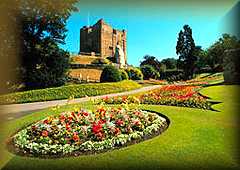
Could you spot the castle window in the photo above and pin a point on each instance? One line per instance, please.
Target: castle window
(110, 48)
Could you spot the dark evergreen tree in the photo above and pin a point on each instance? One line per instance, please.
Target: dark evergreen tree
(185, 49)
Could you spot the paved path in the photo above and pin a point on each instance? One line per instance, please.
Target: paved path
(14, 111)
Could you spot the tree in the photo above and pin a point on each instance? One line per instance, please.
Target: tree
(41, 28)
(152, 61)
(149, 72)
(215, 52)
(201, 55)
(185, 48)
(171, 63)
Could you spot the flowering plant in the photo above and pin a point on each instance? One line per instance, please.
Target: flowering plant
(84, 130)
(174, 95)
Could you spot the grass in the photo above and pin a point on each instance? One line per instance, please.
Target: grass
(65, 92)
(196, 139)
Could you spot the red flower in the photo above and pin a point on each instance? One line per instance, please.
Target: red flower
(85, 113)
(96, 128)
(101, 121)
(100, 135)
(68, 127)
(46, 121)
(75, 137)
(117, 131)
(119, 122)
(44, 133)
(62, 118)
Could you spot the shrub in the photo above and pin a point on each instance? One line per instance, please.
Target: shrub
(134, 73)
(124, 75)
(110, 74)
(149, 72)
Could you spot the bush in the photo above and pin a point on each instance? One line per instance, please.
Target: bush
(100, 61)
(65, 92)
(110, 74)
(134, 73)
(149, 72)
(124, 75)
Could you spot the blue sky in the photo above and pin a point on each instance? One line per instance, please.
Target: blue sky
(152, 27)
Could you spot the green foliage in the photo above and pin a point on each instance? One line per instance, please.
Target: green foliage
(149, 72)
(171, 63)
(49, 69)
(231, 63)
(43, 24)
(134, 73)
(110, 74)
(124, 75)
(100, 61)
(185, 49)
(66, 92)
(215, 52)
(152, 61)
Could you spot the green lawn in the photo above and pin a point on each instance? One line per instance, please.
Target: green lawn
(68, 91)
(196, 139)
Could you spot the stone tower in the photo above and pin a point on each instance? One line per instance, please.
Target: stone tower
(102, 39)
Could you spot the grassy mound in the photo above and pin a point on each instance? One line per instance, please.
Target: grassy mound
(68, 91)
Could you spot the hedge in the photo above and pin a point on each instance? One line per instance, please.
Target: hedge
(65, 92)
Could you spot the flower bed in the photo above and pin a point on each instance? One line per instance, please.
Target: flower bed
(174, 95)
(82, 131)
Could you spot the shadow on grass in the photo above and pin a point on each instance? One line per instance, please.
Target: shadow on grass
(15, 164)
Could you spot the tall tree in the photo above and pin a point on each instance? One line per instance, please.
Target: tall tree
(41, 28)
(185, 48)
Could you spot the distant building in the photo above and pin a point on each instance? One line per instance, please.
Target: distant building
(101, 39)
(98, 42)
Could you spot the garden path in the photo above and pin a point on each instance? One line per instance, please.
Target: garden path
(14, 111)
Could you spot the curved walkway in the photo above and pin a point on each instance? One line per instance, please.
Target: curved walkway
(14, 111)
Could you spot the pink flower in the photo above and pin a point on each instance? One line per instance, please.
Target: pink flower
(119, 122)
(44, 133)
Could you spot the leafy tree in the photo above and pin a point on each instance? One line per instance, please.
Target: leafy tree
(152, 61)
(149, 72)
(171, 63)
(41, 28)
(201, 55)
(215, 52)
(185, 48)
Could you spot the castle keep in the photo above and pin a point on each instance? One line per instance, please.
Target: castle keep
(98, 42)
(102, 39)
